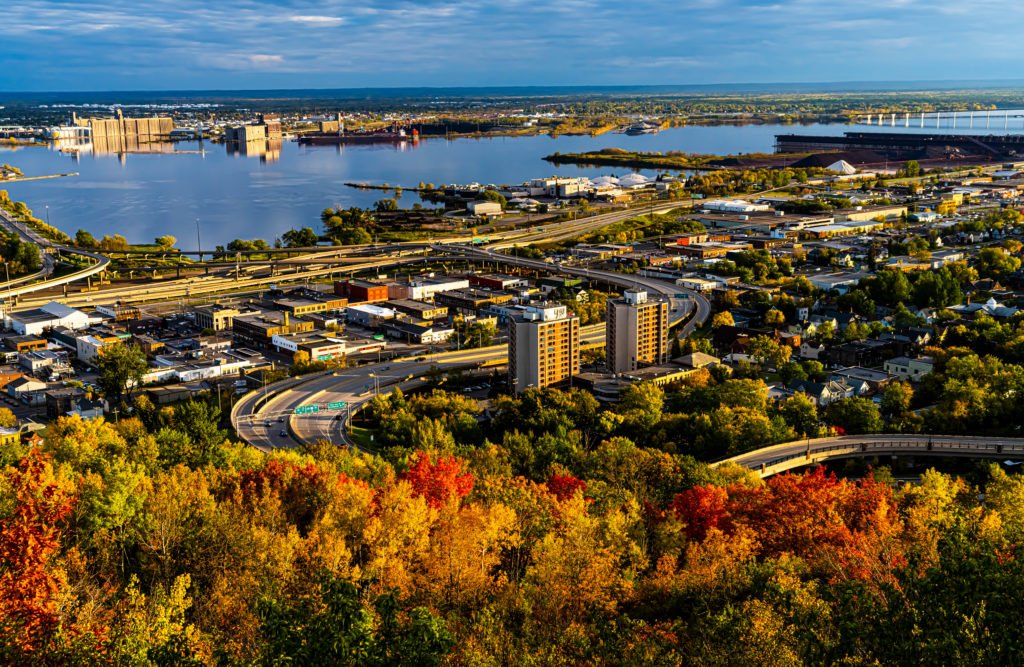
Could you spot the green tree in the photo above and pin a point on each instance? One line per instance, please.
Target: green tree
(166, 242)
(84, 239)
(495, 196)
(121, 368)
(855, 415)
(801, 413)
(300, 238)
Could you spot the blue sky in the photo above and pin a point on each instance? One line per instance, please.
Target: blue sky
(236, 44)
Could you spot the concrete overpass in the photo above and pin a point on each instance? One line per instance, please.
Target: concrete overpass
(780, 458)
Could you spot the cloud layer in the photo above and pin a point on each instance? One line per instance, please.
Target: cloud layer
(182, 44)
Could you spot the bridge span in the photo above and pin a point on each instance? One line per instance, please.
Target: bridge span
(780, 458)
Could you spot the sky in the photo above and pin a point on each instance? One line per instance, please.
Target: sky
(90, 45)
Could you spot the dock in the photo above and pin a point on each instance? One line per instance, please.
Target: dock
(21, 179)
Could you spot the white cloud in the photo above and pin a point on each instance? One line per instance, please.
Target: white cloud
(325, 21)
(265, 59)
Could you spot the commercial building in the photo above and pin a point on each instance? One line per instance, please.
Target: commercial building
(89, 347)
(497, 281)
(420, 310)
(54, 314)
(471, 299)
(424, 289)
(120, 128)
(322, 347)
(543, 346)
(637, 332)
(484, 208)
(362, 291)
(267, 128)
(258, 330)
(306, 306)
(217, 317)
(368, 315)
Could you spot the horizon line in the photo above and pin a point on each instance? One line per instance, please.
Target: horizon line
(921, 85)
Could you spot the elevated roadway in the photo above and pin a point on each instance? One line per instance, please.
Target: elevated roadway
(780, 458)
(28, 284)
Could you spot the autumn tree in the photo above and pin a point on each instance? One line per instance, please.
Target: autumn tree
(439, 481)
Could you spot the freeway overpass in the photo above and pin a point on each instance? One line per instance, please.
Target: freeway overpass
(776, 459)
(17, 287)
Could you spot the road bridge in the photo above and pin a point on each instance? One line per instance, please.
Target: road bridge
(780, 458)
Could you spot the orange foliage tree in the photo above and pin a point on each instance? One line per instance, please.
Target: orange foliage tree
(438, 481)
(29, 538)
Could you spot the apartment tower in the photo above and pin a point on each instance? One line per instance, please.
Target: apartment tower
(637, 332)
(543, 346)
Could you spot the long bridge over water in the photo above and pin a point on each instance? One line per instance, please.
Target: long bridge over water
(988, 119)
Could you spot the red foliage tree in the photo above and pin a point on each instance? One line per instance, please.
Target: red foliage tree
(702, 508)
(565, 486)
(438, 481)
(29, 537)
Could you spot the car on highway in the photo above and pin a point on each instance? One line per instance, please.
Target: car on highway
(280, 420)
(268, 424)
(283, 433)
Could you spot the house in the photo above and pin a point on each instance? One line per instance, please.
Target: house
(27, 390)
(87, 408)
(823, 393)
(907, 368)
(811, 349)
(990, 307)
(866, 380)
(9, 437)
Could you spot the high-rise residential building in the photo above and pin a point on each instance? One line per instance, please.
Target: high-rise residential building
(637, 332)
(543, 346)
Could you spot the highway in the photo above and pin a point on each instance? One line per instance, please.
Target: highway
(776, 459)
(24, 284)
(230, 278)
(276, 404)
(354, 387)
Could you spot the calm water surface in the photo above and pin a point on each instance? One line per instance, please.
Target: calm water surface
(142, 196)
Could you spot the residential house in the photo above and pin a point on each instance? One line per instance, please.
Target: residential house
(823, 393)
(907, 368)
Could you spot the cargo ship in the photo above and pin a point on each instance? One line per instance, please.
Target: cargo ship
(394, 136)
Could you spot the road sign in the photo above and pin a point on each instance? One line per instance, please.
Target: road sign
(682, 295)
(336, 405)
(307, 409)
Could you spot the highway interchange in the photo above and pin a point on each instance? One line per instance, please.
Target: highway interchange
(267, 418)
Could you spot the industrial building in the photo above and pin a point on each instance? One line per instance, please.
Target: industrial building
(636, 332)
(543, 346)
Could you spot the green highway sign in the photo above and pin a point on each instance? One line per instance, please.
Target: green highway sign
(336, 405)
(307, 409)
